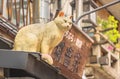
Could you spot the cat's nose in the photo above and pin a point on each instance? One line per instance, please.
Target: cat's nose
(68, 26)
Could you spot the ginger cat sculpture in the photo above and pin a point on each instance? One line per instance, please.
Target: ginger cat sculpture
(42, 38)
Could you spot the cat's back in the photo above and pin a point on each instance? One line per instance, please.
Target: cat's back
(30, 31)
(33, 28)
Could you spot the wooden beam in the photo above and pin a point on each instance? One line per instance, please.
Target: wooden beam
(1, 73)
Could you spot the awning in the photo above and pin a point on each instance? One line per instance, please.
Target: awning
(114, 9)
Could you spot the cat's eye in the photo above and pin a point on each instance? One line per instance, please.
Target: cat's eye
(65, 21)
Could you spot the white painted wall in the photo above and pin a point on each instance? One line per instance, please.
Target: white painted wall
(79, 11)
(66, 7)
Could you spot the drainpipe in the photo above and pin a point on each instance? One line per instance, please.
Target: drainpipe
(36, 13)
(73, 5)
(59, 4)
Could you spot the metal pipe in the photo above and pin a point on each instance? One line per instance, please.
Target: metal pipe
(16, 13)
(99, 8)
(59, 4)
(28, 3)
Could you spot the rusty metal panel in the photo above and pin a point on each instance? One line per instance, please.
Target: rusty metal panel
(93, 59)
(71, 54)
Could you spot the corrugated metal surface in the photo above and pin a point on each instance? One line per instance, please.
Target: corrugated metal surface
(29, 64)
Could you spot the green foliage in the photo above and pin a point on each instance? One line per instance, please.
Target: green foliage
(113, 34)
(117, 45)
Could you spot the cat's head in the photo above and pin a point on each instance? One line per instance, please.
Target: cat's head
(64, 23)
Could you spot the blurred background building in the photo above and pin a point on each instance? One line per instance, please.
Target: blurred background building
(15, 14)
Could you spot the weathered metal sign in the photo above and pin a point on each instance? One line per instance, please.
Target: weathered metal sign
(71, 54)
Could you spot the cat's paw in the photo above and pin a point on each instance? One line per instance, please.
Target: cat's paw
(47, 58)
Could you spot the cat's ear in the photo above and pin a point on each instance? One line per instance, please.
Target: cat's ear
(71, 17)
(61, 14)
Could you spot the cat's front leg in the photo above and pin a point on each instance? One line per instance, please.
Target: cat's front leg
(44, 48)
(45, 52)
(47, 58)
